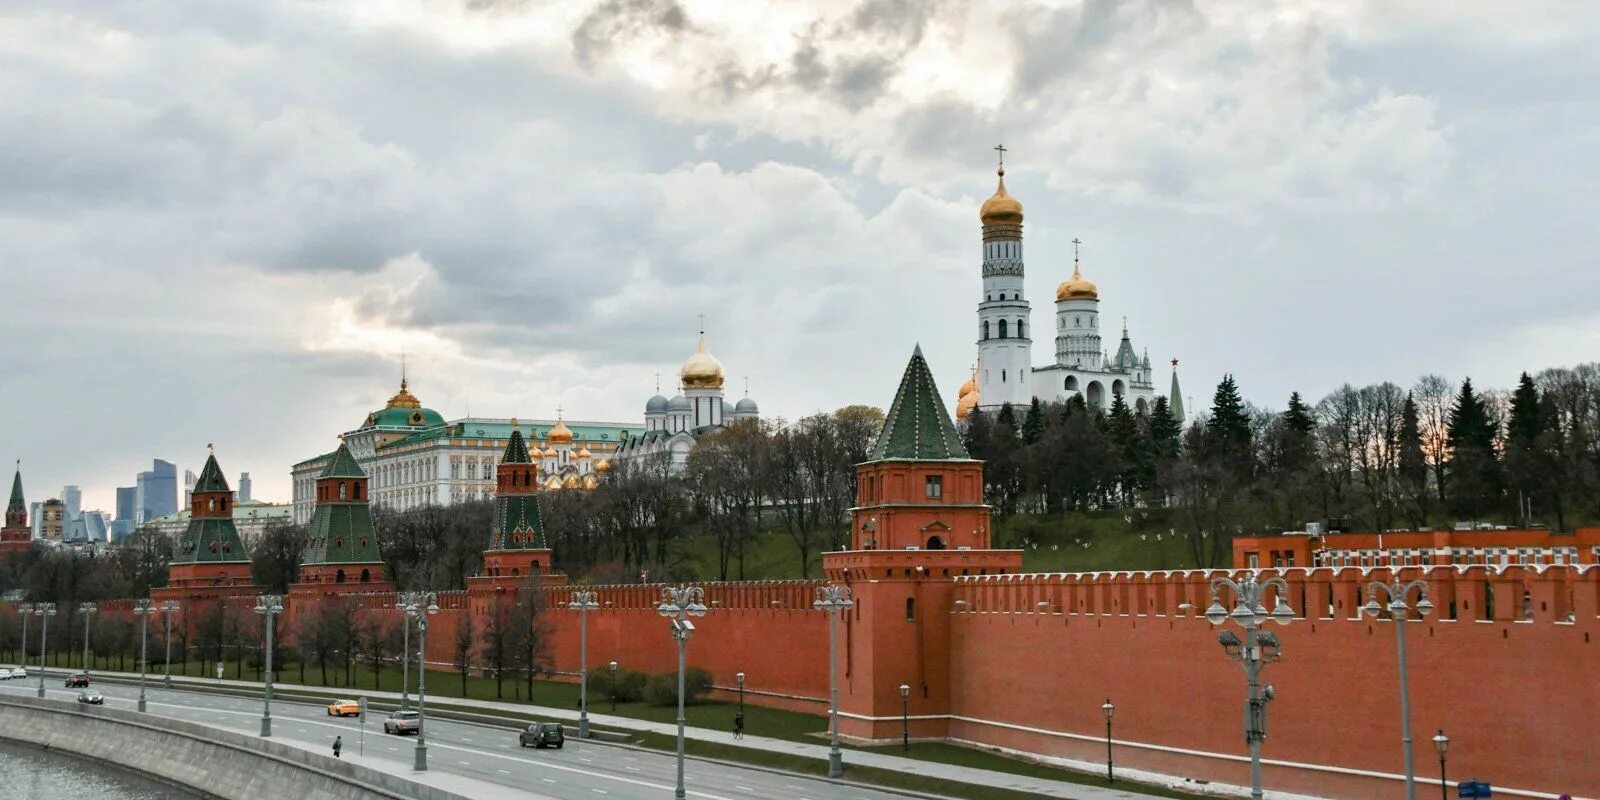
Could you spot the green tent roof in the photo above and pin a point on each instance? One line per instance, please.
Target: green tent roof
(17, 502)
(918, 426)
(518, 523)
(210, 540)
(341, 533)
(516, 449)
(211, 478)
(343, 465)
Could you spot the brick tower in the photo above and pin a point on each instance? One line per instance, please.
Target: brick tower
(517, 546)
(919, 522)
(341, 549)
(210, 556)
(16, 535)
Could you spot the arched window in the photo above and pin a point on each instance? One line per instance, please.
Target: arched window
(935, 543)
(343, 490)
(338, 577)
(1071, 384)
(366, 575)
(1003, 329)
(514, 572)
(1021, 329)
(986, 329)
(911, 608)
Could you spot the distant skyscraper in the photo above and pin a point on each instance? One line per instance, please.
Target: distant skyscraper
(157, 491)
(188, 487)
(72, 502)
(244, 487)
(127, 512)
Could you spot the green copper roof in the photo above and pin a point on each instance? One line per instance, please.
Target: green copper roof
(1175, 398)
(211, 478)
(516, 449)
(486, 429)
(518, 525)
(17, 502)
(341, 533)
(918, 426)
(399, 417)
(312, 460)
(210, 540)
(343, 465)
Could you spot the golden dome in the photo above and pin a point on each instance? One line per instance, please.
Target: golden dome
(702, 370)
(1002, 208)
(1077, 287)
(404, 398)
(561, 434)
(969, 387)
(570, 483)
(550, 452)
(603, 466)
(965, 405)
(583, 452)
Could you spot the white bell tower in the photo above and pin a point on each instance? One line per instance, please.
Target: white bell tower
(1004, 328)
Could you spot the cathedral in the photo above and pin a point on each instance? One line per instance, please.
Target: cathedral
(1005, 333)
(671, 427)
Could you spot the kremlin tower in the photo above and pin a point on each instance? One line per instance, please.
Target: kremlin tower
(16, 535)
(341, 547)
(517, 545)
(210, 559)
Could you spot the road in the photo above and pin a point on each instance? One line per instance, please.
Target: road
(583, 769)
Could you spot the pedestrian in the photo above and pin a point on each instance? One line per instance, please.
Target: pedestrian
(738, 725)
(338, 744)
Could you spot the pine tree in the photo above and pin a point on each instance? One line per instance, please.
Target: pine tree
(1299, 446)
(1166, 433)
(1033, 422)
(1474, 471)
(1413, 466)
(1230, 429)
(1523, 432)
(1126, 441)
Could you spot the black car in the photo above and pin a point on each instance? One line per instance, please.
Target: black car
(92, 698)
(77, 680)
(543, 734)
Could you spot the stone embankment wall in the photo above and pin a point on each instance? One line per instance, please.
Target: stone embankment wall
(213, 762)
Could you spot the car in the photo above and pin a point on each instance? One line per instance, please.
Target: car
(19, 672)
(92, 697)
(77, 680)
(401, 723)
(344, 708)
(5, 674)
(542, 735)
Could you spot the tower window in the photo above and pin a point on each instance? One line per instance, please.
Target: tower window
(1002, 376)
(1020, 330)
(911, 609)
(986, 329)
(1003, 329)
(933, 486)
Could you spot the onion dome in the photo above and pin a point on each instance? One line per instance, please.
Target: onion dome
(966, 404)
(727, 410)
(969, 387)
(550, 452)
(1002, 208)
(746, 406)
(603, 466)
(680, 403)
(656, 405)
(583, 452)
(702, 370)
(560, 434)
(1077, 287)
(570, 483)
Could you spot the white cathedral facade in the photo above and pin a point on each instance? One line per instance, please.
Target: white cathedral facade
(1005, 371)
(672, 427)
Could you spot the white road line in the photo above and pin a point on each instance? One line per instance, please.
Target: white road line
(547, 780)
(635, 769)
(462, 763)
(596, 791)
(740, 788)
(501, 771)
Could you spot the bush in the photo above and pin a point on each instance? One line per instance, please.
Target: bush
(630, 684)
(662, 690)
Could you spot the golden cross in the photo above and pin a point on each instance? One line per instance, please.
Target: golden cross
(1001, 149)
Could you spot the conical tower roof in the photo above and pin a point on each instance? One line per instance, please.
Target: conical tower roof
(17, 503)
(517, 448)
(211, 478)
(918, 426)
(343, 465)
(1175, 398)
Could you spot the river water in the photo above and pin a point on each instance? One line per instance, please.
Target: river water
(30, 773)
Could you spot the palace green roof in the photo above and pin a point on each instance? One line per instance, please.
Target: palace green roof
(918, 426)
(400, 417)
(485, 429)
(210, 540)
(343, 465)
(518, 523)
(211, 478)
(341, 533)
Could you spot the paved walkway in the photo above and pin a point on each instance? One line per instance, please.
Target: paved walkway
(931, 769)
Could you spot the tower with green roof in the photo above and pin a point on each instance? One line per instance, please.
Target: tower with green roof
(16, 535)
(210, 552)
(517, 544)
(341, 546)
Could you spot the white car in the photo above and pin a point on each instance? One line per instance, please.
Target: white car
(19, 672)
(5, 674)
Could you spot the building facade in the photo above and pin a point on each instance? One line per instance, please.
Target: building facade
(671, 427)
(251, 519)
(156, 491)
(1490, 547)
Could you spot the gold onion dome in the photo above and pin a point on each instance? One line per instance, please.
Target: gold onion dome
(968, 388)
(1077, 287)
(550, 452)
(603, 466)
(583, 452)
(561, 434)
(702, 370)
(404, 398)
(1002, 208)
(966, 404)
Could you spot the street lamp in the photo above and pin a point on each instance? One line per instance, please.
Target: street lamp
(833, 599)
(44, 611)
(25, 610)
(1109, 709)
(583, 601)
(1400, 614)
(678, 604)
(405, 654)
(740, 679)
(613, 687)
(1441, 743)
(419, 605)
(166, 611)
(905, 717)
(269, 606)
(1258, 649)
(143, 607)
(87, 610)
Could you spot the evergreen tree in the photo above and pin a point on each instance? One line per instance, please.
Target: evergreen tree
(1166, 433)
(1128, 445)
(1229, 427)
(1033, 423)
(1524, 432)
(1413, 469)
(1474, 471)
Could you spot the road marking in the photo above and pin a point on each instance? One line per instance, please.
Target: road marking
(744, 788)
(586, 760)
(547, 780)
(501, 771)
(635, 769)
(462, 763)
(599, 791)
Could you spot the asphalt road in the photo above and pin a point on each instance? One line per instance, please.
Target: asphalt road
(583, 769)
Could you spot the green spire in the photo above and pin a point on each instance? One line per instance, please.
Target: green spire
(518, 523)
(17, 501)
(918, 426)
(211, 478)
(516, 449)
(343, 465)
(1175, 396)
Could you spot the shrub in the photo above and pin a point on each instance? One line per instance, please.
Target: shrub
(630, 684)
(662, 689)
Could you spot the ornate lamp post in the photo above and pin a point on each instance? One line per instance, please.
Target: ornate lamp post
(405, 653)
(44, 611)
(678, 604)
(613, 687)
(833, 599)
(419, 605)
(166, 611)
(143, 607)
(739, 678)
(583, 601)
(1400, 614)
(269, 606)
(1109, 709)
(87, 610)
(905, 717)
(1441, 743)
(1258, 649)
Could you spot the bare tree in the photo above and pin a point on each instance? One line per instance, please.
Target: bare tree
(1434, 396)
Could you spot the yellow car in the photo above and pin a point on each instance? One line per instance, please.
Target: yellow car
(344, 708)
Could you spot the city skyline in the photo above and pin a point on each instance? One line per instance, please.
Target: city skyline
(249, 248)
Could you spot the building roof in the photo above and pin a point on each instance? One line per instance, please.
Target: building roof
(17, 502)
(518, 523)
(341, 533)
(401, 417)
(311, 461)
(211, 478)
(343, 465)
(516, 448)
(473, 428)
(210, 540)
(918, 426)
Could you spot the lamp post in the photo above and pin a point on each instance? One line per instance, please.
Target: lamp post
(25, 610)
(166, 611)
(87, 610)
(1441, 743)
(269, 606)
(833, 599)
(1109, 709)
(1400, 614)
(44, 611)
(740, 679)
(613, 687)
(583, 601)
(405, 654)
(420, 605)
(1258, 649)
(905, 717)
(678, 604)
(143, 607)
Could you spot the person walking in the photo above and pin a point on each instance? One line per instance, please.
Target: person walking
(338, 744)
(738, 725)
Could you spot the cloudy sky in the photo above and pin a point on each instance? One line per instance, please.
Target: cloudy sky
(223, 222)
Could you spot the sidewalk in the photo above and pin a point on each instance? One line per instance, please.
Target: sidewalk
(819, 752)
